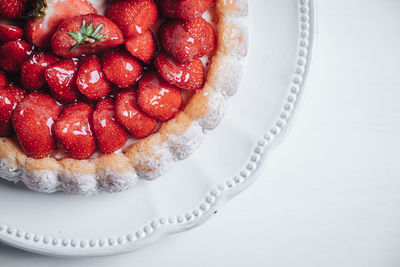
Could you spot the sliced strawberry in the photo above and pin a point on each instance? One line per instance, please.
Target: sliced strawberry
(186, 41)
(121, 68)
(188, 77)
(185, 9)
(9, 98)
(32, 71)
(157, 98)
(3, 80)
(134, 17)
(110, 135)
(129, 115)
(10, 33)
(20, 52)
(12, 9)
(48, 14)
(91, 80)
(73, 130)
(142, 46)
(87, 34)
(33, 121)
(61, 78)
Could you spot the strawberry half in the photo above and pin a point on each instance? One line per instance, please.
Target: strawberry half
(20, 52)
(87, 34)
(91, 80)
(3, 80)
(61, 78)
(157, 98)
(186, 41)
(12, 9)
(110, 135)
(142, 46)
(73, 130)
(131, 117)
(32, 71)
(134, 17)
(121, 68)
(9, 98)
(48, 14)
(33, 121)
(188, 77)
(185, 9)
(10, 33)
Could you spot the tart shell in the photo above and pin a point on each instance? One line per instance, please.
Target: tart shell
(153, 156)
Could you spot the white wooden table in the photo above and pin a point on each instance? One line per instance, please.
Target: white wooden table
(330, 195)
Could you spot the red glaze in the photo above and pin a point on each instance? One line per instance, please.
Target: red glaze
(91, 80)
(157, 98)
(20, 51)
(10, 33)
(187, 41)
(32, 71)
(142, 46)
(33, 121)
(73, 130)
(134, 17)
(121, 68)
(61, 78)
(188, 77)
(110, 135)
(39, 30)
(9, 98)
(62, 42)
(129, 115)
(3, 80)
(185, 9)
(12, 9)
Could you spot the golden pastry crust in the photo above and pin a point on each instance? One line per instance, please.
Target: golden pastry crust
(151, 157)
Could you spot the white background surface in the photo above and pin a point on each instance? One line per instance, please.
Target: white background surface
(330, 193)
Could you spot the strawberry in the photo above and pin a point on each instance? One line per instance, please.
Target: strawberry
(12, 9)
(91, 80)
(47, 15)
(20, 52)
(157, 98)
(129, 115)
(86, 34)
(73, 130)
(185, 9)
(142, 46)
(188, 77)
(3, 80)
(9, 98)
(10, 33)
(121, 68)
(32, 71)
(33, 121)
(186, 41)
(134, 17)
(110, 135)
(61, 78)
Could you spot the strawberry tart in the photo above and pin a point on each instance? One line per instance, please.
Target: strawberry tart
(96, 94)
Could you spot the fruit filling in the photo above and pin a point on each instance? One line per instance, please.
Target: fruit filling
(82, 76)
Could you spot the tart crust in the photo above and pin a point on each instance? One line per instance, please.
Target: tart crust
(153, 156)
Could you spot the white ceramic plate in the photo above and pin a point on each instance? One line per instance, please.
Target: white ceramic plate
(282, 40)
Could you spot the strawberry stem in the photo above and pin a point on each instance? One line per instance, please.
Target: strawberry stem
(87, 35)
(38, 9)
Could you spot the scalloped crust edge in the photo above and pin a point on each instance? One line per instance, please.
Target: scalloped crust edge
(154, 156)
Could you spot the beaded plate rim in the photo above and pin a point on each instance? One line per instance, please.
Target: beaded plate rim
(215, 198)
